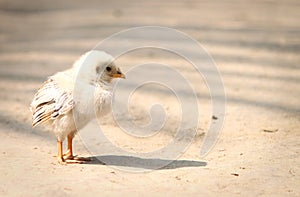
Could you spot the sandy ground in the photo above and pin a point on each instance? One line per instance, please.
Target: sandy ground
(256, 46)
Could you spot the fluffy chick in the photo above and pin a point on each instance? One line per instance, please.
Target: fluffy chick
(70, 99)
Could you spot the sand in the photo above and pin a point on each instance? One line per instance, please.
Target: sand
(256, 48)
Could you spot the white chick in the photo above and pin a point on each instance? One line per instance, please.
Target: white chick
(70, 99)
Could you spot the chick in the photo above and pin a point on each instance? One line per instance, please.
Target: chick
(70, 99)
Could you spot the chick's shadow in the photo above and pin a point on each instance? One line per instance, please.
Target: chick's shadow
(143, 163)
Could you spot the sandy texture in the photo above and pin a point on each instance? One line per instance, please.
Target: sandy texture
(256, 46)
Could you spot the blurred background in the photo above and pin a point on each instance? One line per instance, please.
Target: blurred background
(255, 45)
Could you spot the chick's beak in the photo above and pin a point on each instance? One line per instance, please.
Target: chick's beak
(118, 75)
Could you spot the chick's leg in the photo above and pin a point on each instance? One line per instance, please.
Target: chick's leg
(69, 155)
(60, 158)
(60, 155)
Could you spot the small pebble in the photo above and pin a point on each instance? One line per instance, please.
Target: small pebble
(270, 130)
(235, 174)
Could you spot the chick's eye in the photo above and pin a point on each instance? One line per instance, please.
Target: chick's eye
(108, 68)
